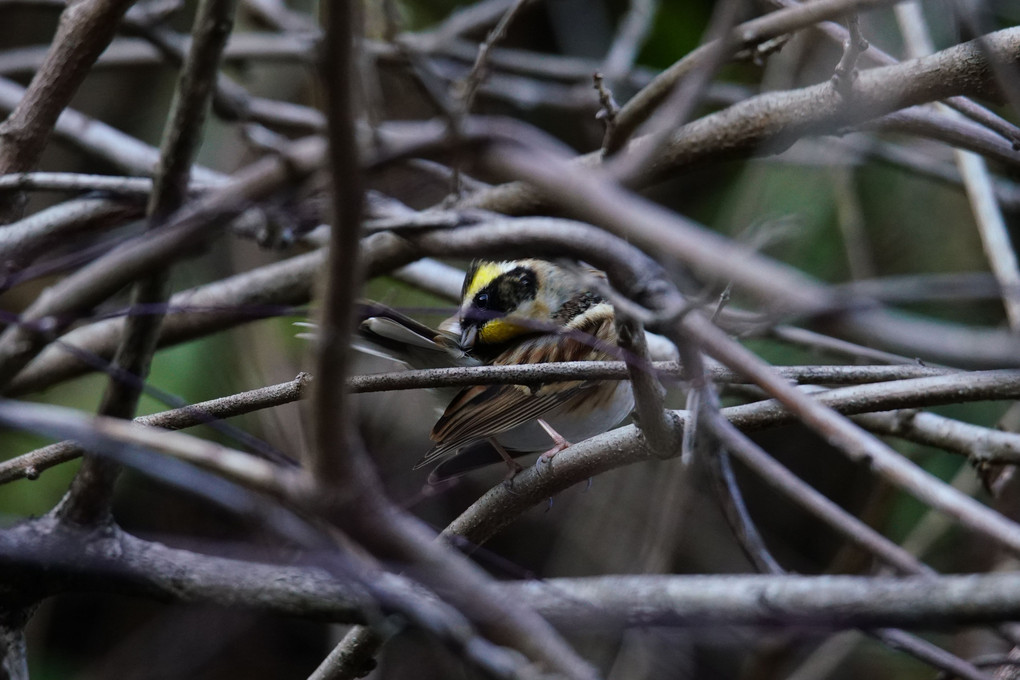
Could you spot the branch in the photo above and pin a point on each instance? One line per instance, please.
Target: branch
(979, 444)
(89, 499)
(113, 561)
(594, 603)
(31, 464)
(23, 241)
(358, 503)
(244, 297)
(771, 122)
(85, 29)
(98, 139)
(854, 443)
(676, 239)
(623, 446)
(333, 420)
(194, 313)
(523, 374)
(187, 229)
(815, 601)
(747, 34)
(630, 35)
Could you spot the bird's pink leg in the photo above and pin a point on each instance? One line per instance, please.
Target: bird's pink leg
(559, 443)
(513, 465)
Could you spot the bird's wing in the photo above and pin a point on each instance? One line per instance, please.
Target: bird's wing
(483, 411)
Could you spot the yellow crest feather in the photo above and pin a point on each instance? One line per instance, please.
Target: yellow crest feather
(484, 274)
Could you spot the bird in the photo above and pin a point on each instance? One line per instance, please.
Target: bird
(512, 312)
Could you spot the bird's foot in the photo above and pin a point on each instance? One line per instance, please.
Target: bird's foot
(559, 443)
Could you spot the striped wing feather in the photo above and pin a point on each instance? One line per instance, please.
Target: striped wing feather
(482, 411)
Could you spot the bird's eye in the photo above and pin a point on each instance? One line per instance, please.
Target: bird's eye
(482, 301)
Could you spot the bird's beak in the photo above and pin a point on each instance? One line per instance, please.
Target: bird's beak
(468, 335)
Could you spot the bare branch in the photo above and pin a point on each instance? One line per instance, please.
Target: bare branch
(979, 444)
(90, 497)
(856, 444)
(923, 603)
(630, 35)
(85, 29)
(360, 505)
(343, 271)
(855, 44)
(31, 464)
(787, 20)
(771, 122)
(182, 233)
(261, 292)
(469, 85)
(617, 370)
(100, 139)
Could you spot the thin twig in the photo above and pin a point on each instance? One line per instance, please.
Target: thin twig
(466, 89)
(523, 374)
(630, 36)
(608, 108)
(846, 70)
(30, 465)
(71, 181)
(468, 86)
(674, 110)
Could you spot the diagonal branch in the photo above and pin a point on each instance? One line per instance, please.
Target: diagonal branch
(86, 28)
(357, 502)
(89, 499)
(769, 123)
(183, 233)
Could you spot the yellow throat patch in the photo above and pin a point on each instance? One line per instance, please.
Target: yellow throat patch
(499, 330)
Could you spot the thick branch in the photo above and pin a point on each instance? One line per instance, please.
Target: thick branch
(127, 565)
(771, 122)
(86, 28)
